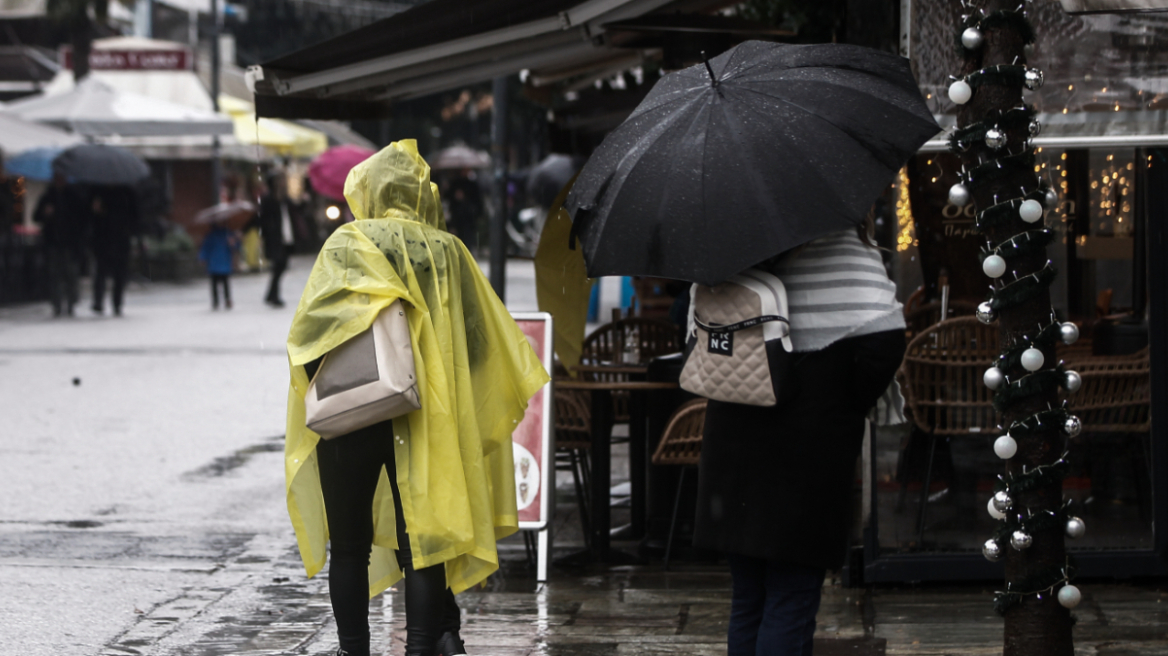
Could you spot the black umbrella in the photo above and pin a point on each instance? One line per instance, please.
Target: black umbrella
(727, 164)
(101, 164)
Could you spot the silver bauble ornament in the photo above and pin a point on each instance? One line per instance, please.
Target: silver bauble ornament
(1050, 198)
(992, 551)
(1030, 210)
(994, 512)
(1021, 540)
(1075, 528)
(985, 313)
(972, 38)
(1073, 426)
(994, 266)
(1005, 447)
(1032, 359)
(1002, 501)
(993, 378)
(995, 138)
(1033, 78)
(1035, 129)
(1069, 333)
(1069, 596)
(959, 195)
(1072, 381)
(960, 92)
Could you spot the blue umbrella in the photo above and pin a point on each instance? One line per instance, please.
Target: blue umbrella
(34, 164)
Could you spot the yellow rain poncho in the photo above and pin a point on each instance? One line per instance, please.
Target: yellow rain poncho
(476, 372)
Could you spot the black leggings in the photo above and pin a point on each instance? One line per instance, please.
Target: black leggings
(220, 280)
(349, 468)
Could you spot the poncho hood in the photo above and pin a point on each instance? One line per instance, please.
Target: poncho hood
(395, 184)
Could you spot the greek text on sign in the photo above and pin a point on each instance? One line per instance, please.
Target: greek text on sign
(132, 60)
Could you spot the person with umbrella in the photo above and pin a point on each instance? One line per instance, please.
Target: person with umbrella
(769, 156)
(218, 254)
(62, 213)
(115, 222)
(424, 495)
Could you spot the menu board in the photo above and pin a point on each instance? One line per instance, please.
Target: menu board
(535, 466)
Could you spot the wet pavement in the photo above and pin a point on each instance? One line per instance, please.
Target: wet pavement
(144, 514)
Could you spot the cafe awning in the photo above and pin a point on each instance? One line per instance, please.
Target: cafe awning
(444, 44)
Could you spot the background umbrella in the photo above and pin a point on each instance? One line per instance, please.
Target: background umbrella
(562, 287)
(101, 164)
(767, 148)
(35, 164)
(236, 214)
(329, 170)
(458, 157)
(546, 179)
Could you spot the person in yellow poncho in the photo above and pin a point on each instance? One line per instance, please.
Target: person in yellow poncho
(426, 494)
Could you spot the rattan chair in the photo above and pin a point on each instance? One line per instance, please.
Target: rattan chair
(681, 445)
(942, 374)
(606, 344)
(573, 441)
(1116, 396)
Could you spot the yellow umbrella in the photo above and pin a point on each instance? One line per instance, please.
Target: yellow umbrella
(284, 137)
(562, 287)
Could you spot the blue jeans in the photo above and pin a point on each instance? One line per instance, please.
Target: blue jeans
(773, 609)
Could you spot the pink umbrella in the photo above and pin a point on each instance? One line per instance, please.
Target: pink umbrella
(329, 170)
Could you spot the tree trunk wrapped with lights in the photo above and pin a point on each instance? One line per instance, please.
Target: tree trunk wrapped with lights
(994, 129)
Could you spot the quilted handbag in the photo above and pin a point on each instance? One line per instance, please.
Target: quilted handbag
(368, 379)
(739, 350)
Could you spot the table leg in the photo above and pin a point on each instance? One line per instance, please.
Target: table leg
(638, 459)
(601, 472)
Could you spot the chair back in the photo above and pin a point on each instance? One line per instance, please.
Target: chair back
(654, 337)
(681, 443)
(573, 420)
(1116, 396)
(924, 315)
(942, 371)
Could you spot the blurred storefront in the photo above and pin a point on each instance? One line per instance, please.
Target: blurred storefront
(1104, 147)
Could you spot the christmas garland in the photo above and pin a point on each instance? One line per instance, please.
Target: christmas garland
(997, 169)
(1039, 382)
(1003, 212)
(1040, 422)
(1045, 338)
(1021, 244)
(1032, 479)
(1010, 119)
(1023, 289)
(999, 19)
(1035, 584)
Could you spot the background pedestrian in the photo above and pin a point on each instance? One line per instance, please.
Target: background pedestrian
(218, 254)
(63, 215)
(276, 229)
(115, 222)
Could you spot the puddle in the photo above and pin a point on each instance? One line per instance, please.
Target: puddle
(224, 464)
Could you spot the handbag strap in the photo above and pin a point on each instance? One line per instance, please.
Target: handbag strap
(735, 327)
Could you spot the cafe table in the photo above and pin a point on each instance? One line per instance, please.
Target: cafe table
(601, 451)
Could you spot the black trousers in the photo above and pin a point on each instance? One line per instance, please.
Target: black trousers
(349, 469)
(112, 267)
(217, 280)
(279, 264)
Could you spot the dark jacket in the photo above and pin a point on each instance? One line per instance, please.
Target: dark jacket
(115, 221)
(216, 252)
(778, 482)
(271, 223)
(63, 214)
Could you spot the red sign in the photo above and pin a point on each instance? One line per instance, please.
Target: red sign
(132, 60)
(531, 441)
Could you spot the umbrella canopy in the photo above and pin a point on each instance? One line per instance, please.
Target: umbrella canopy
(284, 137)
(35, 164)
(236, 213)
(562, 287)
(766, 148)
(329, 171)
(101, 164)
(458, 157)
(94, 108)
(546, 179)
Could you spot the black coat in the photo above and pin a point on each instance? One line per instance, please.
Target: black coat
(271, 222)
(777, 483)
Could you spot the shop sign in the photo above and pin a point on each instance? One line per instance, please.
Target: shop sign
(132, 60)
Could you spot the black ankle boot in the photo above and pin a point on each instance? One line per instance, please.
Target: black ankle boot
(449, 645)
